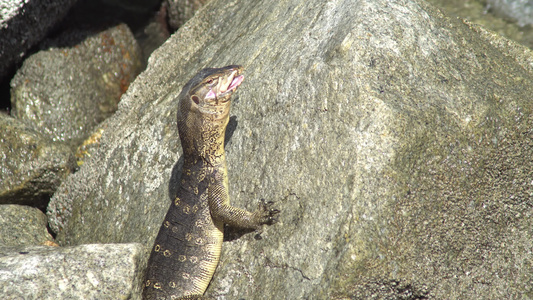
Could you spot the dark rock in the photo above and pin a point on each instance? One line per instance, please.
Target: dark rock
(23, 226)
(180, 11)
(144, 18)
(519, 10)
(31, 165)
(153, 35)
(84, 272)
(23, 24)
(67, 90)
(395, 141)
(135, 5)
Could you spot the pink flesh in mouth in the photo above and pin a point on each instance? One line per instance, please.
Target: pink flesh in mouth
(233, 85)
(210, 95)
(236, 82)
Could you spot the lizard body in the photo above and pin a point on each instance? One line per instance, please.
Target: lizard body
(187, 248)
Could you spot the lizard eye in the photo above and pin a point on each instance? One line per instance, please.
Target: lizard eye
(209, 81)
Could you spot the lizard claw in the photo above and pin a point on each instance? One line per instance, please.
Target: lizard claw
(267, 213)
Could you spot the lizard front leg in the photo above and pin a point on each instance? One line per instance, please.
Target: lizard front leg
(221, 210)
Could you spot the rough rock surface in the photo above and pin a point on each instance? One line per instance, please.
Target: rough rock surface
(23, 226)
(23, 23)
(67, 90)
(83, 272)
(395, 141)
(31, 166)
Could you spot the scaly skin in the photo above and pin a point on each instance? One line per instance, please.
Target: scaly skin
(187, 248)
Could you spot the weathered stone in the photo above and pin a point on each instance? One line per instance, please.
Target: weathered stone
(67, 91)
(23, 24)
(31, 166)
(395, 141)
(23, 226)
(101, 272)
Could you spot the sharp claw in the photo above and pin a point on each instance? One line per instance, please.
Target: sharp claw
(268, 212)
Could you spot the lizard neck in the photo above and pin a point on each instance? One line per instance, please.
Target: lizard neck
(207, 144)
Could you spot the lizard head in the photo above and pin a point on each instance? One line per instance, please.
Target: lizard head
(213, 89)
(203, 110)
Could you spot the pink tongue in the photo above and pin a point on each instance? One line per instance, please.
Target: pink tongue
(236, 82)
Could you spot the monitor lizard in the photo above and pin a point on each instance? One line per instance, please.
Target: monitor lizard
(187, 248)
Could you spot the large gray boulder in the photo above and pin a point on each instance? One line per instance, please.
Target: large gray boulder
(68, 89)
(395, 141)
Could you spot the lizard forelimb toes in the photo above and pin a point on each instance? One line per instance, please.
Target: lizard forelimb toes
(268, 213)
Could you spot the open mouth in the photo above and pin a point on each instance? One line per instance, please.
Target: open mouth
(226, 86)
(230, 86)
(235, 82)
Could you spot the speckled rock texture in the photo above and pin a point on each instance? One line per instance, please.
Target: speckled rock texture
(395, 141)
(92, 272)
(31, 165)
(23, 23)
(67, 90)
(22, 225)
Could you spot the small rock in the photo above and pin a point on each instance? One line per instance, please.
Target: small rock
(23, 226)
(94, 271)
(31, 166)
